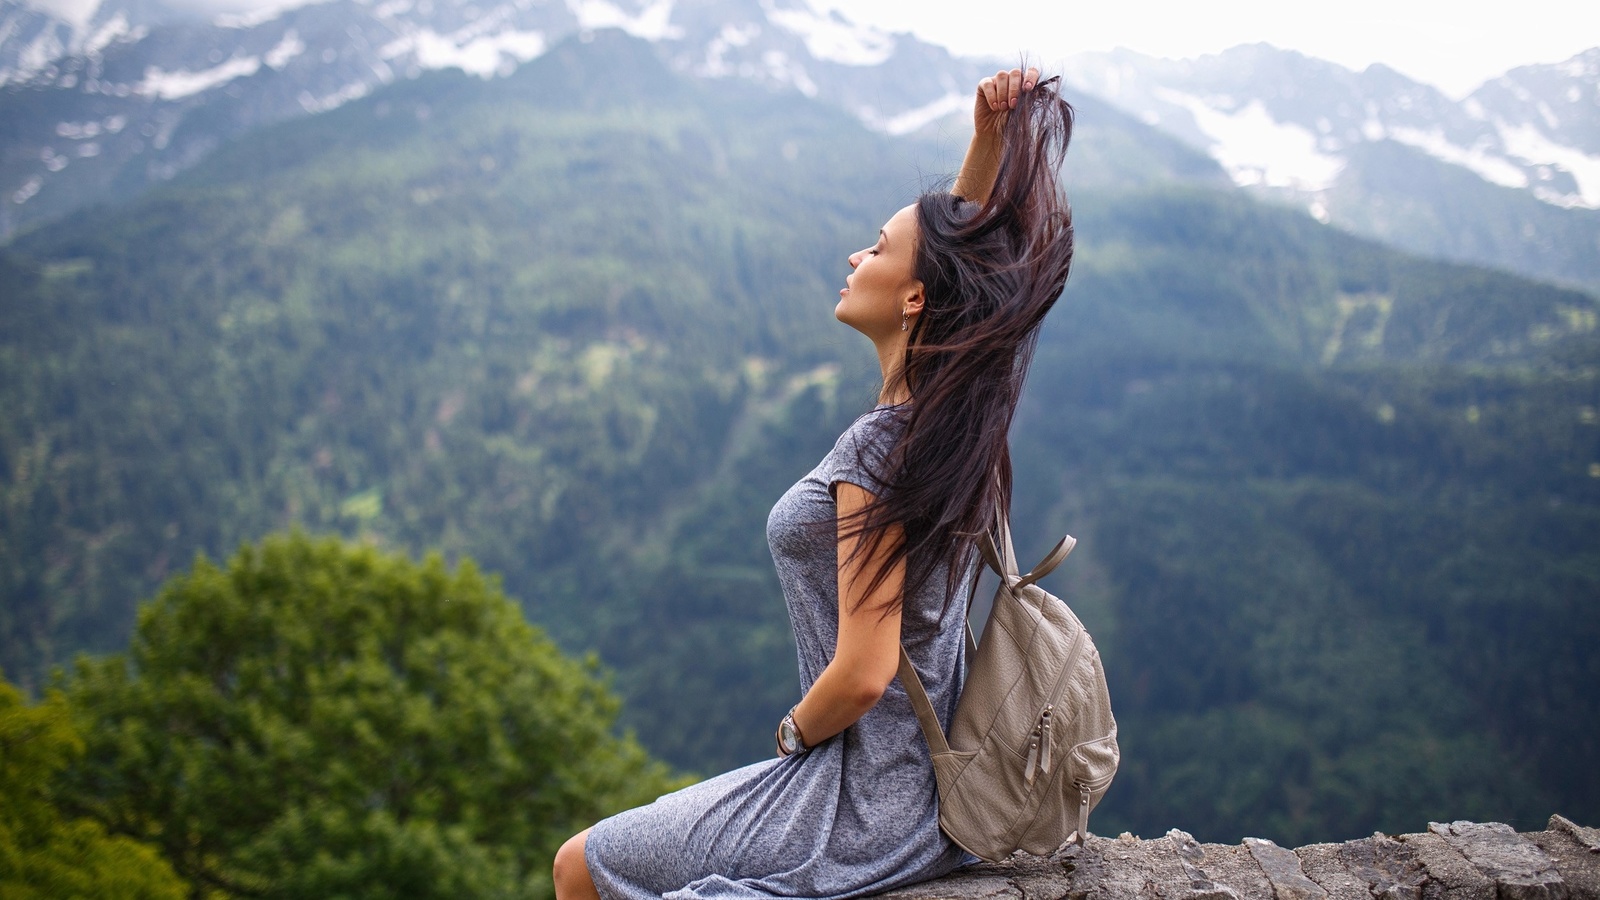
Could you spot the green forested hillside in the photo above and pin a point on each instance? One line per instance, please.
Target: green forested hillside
(1337, 506)
(555, 323)
(1344, 544)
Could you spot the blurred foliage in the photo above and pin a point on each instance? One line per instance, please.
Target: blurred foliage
(45, 852)
(1336, 504)
(325, 720)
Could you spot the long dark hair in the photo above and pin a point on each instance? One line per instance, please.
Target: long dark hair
(989, 273)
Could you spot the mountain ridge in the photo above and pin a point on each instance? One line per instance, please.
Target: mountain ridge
(1499, 178)
(1509, 177)
(121, 105)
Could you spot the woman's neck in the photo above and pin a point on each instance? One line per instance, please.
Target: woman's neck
(891, 357)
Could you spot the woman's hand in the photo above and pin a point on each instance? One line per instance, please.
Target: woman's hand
(997, 96)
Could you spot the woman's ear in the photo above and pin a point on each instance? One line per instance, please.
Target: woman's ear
(913, 302)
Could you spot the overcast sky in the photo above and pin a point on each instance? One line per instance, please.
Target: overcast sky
(1453, 44)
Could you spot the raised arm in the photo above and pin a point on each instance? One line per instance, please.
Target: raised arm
(867, 655)
(997, 96)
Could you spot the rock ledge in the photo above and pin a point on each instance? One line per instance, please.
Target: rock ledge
(1450, 861)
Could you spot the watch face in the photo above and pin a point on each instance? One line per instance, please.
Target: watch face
(788, 736)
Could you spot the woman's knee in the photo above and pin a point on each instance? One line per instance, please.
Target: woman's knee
(571, 870)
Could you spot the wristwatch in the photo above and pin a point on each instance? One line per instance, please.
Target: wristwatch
(790, 740)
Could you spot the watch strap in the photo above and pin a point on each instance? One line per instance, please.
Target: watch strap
(799, 736)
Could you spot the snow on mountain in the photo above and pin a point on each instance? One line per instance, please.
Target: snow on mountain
(32, 40)
(1510, 176)
(1277, 119)
(29, 41)
(1256, 149)
(832, 37)
(653, 22)
(134, 92)
(153, 69)
(1549, 117)
(912, 120)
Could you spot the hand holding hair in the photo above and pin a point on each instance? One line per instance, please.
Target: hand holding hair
(997, 96)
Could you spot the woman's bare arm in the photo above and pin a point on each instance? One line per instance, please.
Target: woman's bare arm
(997, 96)
(867, 655)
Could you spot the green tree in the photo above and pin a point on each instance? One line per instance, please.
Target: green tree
(320, 719)
(44, 854)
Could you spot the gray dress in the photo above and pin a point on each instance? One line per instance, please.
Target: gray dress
(857, 814)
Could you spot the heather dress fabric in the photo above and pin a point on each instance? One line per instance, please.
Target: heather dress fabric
(856, 814)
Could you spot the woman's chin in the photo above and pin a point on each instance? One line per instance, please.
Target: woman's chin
(851, 315)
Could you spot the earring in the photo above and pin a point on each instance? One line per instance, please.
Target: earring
(904, 318)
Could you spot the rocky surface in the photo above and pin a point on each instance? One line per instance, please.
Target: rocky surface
(1450, 861)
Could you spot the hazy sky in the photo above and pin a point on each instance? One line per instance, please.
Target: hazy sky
(1453, 44)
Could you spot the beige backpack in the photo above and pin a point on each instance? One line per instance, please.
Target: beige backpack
(1032, 746)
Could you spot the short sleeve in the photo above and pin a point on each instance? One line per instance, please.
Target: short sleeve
(861, 454)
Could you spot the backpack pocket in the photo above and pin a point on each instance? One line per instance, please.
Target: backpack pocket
(1091, 765)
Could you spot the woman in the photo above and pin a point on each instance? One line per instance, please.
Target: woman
(874, 547)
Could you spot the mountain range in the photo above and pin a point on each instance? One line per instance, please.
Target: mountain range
(1509, 176)
(133, 95)
(135, 92)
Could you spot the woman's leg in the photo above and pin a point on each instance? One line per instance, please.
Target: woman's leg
(572, 878)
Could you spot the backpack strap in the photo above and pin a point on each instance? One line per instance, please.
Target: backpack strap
(1003, 559)
(1051, 560)
(924, 709)
(926, 717)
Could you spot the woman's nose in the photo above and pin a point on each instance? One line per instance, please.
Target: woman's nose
(855, 259)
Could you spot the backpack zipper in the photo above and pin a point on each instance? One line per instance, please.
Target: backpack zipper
(1041, 730)
(1039, 745)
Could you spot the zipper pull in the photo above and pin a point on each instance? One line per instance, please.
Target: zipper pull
(1033, 755)
(1044, 729)
(1083, 813)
